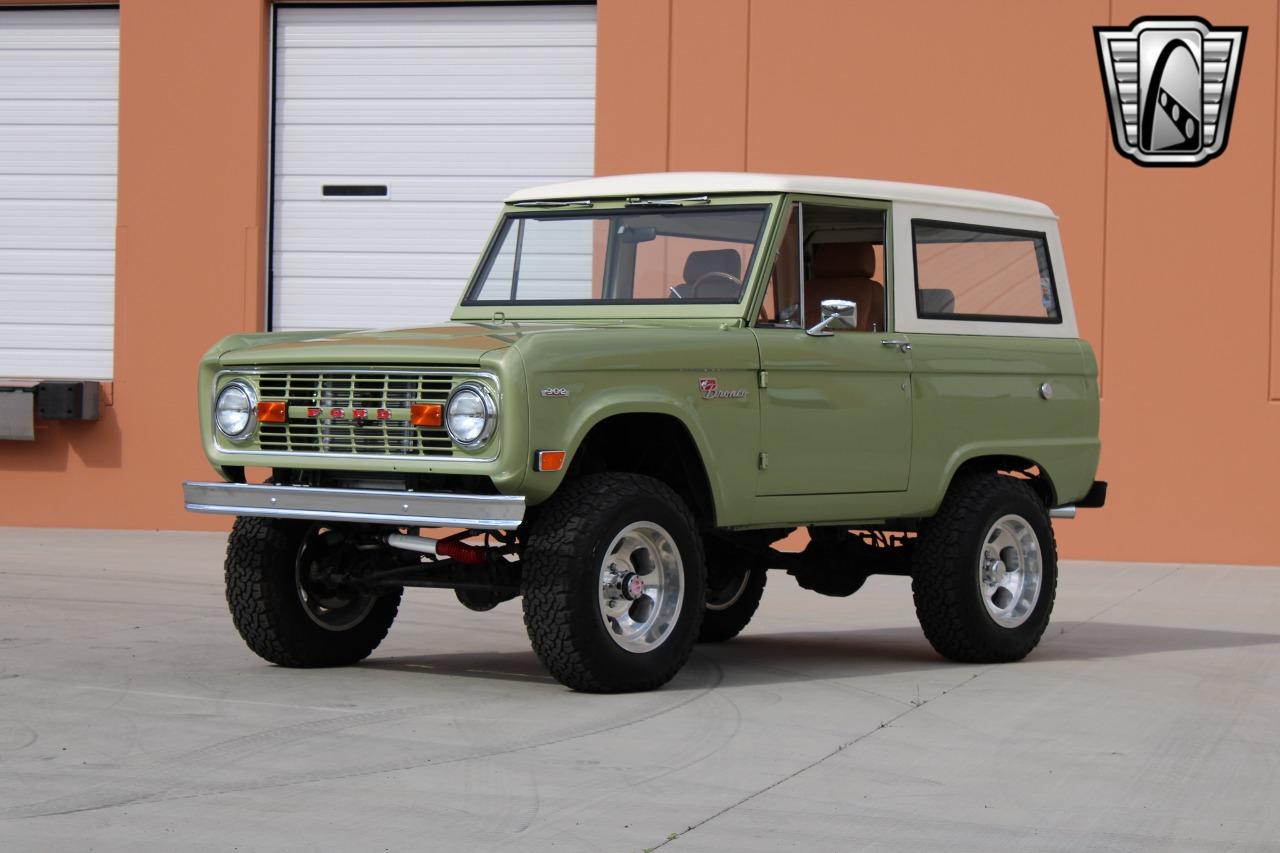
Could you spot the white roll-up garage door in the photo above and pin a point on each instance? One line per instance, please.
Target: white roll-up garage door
(59, 85)
(398, 131)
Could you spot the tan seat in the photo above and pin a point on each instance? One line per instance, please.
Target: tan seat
(843, 271)
(699, 264)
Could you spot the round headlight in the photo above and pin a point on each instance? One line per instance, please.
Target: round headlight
(235, 411)
(470, 415)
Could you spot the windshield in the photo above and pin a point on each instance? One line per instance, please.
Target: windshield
(621, 257)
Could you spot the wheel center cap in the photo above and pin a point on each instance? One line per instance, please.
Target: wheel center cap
(997, 571)
(631, 585)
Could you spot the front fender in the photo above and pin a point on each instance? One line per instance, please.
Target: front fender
(571, 435)
(660, 375)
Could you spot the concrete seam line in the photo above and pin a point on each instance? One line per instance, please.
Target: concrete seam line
(1113, 605)
(891, 721)
(839, 749)
(148, 793)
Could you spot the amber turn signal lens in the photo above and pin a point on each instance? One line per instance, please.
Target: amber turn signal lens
(272, 411)
(426, 414)
(549, 460)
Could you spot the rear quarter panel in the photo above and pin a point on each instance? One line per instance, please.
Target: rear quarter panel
(980, 396)
(976, 384)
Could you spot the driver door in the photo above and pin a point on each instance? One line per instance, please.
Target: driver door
(836, 408)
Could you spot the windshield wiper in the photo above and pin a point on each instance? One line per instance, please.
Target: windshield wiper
(577, 203)
(667, 202)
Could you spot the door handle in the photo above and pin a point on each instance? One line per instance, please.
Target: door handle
(903, 346)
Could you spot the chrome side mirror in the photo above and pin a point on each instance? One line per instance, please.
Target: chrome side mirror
(836, 314)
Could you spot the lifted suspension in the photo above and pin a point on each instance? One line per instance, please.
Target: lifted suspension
(450, 548)
(451, 564)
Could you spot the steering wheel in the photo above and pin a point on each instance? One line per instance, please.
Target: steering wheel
(713, 277)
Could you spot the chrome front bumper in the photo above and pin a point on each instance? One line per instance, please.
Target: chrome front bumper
(402, 509)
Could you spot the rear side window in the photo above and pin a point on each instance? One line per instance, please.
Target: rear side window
(972, 272)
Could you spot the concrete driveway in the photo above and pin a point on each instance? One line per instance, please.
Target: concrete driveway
(132, 718)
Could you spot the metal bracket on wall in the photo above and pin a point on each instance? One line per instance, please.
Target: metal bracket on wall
(67, 401)
(22, 401)
(17, 411)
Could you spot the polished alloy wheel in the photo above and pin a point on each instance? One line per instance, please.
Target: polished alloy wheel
(332, 607)
(641, 587)
(1010, 571)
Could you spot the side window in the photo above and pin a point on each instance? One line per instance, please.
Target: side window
(844, 259)
(971, 272)
(781, 305)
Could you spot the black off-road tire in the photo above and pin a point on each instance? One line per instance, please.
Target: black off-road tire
(945, 571)
(725, 620)
(262, 594)
(561, 583)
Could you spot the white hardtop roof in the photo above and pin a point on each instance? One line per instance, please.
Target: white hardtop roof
(707, 183)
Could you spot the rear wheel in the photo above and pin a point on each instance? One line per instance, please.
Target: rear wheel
(732, 599)
(285, 602)
(613, 584)
(985, 571)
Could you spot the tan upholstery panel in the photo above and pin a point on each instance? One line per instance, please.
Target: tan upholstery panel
(844, 260)
(843, 271)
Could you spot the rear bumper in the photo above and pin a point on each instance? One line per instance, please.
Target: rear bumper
(1095, 498)
(401, 509)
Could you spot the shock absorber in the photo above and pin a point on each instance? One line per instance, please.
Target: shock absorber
(451, 548)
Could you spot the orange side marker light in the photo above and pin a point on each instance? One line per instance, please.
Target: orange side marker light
(549, 460)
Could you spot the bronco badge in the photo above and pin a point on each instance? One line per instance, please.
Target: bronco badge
(710, 389)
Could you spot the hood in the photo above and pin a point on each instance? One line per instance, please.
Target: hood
(452, 343)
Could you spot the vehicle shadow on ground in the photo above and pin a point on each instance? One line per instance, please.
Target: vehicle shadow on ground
(766, 658)
(1096, 640)
(504, 666)
(756, 659)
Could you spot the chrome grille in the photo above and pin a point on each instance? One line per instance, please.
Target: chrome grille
(348, 391)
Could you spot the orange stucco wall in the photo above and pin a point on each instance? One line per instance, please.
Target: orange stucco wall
(1176, 272)
(191, 211)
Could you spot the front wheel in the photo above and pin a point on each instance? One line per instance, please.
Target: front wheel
(613, 584)
(985, 571)
(285, 603)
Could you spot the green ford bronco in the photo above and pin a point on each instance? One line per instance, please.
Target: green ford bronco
(649, 381)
